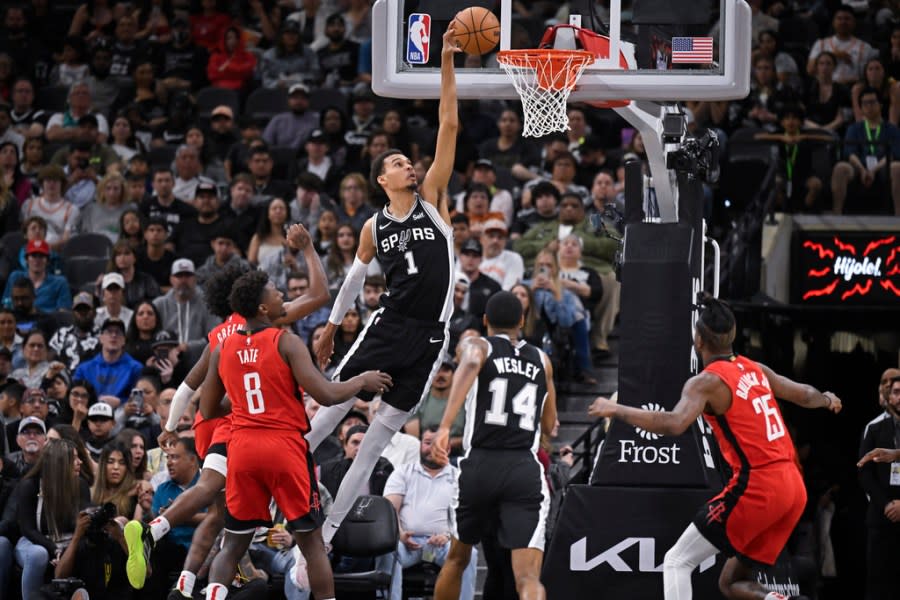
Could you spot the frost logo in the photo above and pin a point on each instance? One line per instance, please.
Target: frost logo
(643, 433)
(646, 559)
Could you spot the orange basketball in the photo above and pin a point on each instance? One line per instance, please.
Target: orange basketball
(477, 30)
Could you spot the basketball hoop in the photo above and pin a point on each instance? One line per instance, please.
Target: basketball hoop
(544, 78)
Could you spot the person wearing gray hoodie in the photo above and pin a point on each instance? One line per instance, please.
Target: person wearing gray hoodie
(183, 310)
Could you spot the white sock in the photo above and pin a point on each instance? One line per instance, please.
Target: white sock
(216, 591)
(159, 527)
(186, 582)
(775, 596)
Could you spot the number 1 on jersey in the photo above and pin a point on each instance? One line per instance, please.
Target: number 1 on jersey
(253, 393)
(411, 268)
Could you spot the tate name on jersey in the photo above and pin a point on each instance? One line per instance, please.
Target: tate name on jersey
(508, 365)
(403, 238)
(247, 355)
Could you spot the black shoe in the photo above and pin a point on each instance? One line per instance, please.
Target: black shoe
(174, 594)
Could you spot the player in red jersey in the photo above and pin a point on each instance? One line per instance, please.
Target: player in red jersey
(752, 518)
(211, 436)
(260, 368)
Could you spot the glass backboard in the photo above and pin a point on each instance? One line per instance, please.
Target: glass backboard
(694, 50)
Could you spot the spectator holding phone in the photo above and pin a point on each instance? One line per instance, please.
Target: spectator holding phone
(167, 359)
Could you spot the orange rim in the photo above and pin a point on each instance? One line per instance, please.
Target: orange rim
(554, 69)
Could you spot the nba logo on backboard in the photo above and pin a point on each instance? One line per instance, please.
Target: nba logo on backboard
(418, 39)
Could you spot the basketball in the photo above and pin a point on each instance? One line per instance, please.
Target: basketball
(477, 30)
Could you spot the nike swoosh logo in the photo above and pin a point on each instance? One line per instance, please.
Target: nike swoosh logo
(435, 341)
(384, 226)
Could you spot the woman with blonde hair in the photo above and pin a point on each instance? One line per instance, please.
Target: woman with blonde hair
(102, 215)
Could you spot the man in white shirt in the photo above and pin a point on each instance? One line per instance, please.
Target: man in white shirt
(421, 493)
(505, 266)
(850, 51)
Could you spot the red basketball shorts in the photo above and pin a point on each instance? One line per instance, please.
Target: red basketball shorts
(754, 515)
(203, 435)
(270, 464)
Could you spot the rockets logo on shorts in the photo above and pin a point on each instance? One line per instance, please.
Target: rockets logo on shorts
(418, 39)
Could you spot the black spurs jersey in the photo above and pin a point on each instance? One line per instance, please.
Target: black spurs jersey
(504, 406)
(416, 255)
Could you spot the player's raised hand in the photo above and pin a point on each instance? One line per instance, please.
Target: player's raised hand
(376, 381)
(879, 455)
(449, 42)
(324, 348)
(167, 439)
(440, 447)
(298, 237)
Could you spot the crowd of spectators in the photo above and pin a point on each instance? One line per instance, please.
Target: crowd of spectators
(146, 146)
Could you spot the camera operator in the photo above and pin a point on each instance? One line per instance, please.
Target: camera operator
(49, 498)
(81, 175)
(97, 549)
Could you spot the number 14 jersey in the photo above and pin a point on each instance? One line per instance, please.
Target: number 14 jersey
(260, 383)
(504, 406)
(751, 433)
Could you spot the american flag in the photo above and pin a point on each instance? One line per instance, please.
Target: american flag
(692, 50)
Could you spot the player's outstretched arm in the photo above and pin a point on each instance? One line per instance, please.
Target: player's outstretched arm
(472, 354)
(548, 417)
(880, 455)
(213, 390)
(350, 289)
(317, 296)
(182, 398)
(801, 394)
(434, 187)
(326, 393)
(694, 397)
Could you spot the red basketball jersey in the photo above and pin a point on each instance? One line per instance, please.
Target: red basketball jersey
(215, 337)
(260, 383)
(751, 433)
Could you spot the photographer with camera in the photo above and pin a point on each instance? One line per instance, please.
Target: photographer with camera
(49, 499)
(94, 561)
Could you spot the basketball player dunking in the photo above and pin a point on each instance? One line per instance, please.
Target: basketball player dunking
(260, 368)
(507, 385)
(413, 242)
(752, 518)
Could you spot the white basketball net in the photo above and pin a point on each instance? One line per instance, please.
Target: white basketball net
(544, 84)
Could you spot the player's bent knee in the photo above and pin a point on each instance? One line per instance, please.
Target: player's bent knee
(674, 560)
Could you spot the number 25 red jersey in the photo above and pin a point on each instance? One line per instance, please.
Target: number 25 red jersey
(751, 433)
(260, 383)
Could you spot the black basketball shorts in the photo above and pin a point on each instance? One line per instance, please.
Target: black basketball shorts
(502, 493)
(407, 349)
